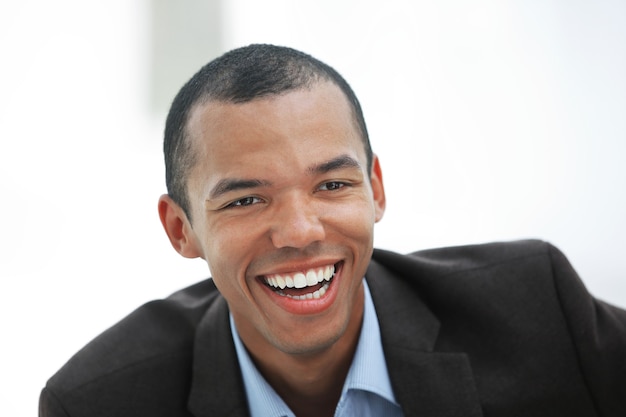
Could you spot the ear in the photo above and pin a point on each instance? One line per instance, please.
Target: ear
(178, 228)
(378, 189)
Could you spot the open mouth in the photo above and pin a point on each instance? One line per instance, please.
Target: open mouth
(304, 285)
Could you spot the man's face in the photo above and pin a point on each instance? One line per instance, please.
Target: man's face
(283, 212)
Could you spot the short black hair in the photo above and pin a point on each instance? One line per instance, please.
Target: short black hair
(238, 76)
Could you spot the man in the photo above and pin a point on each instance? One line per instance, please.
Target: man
(271, 180)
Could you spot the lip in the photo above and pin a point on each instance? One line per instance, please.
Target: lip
(308, 306)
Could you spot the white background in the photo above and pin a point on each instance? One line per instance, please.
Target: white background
(494, 120)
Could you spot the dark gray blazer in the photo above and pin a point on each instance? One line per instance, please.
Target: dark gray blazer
(505, 329)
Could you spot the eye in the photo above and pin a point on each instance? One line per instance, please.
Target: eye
(244, 202)
(332, 186)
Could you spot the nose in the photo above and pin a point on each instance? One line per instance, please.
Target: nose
(296, 223)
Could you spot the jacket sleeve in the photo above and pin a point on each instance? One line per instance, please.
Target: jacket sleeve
(598, 331)
(49, 405)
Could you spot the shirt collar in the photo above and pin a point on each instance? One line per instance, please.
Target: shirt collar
(263, 401)
(368, 371)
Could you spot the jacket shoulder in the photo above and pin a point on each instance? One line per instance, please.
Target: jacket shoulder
(465, 258)
(522, 306)
(151, 348)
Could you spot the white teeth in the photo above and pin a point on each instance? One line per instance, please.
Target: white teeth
(328, 272)
(299, 280)
(309, 296)
(311, 278)
(280, 281)
(304, 279)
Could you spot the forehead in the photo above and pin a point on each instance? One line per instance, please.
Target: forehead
(315, 121)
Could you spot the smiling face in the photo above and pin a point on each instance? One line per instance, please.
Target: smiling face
(283, 211)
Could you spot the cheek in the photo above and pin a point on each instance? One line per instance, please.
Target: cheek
(224, 256)
(225, 240)
(357, 216)
(229, 250)
(355, 223)
(229, 277)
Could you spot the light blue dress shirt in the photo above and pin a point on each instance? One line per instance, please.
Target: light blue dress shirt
(366, 392)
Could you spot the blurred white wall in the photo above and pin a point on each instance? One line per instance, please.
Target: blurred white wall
(494, 120)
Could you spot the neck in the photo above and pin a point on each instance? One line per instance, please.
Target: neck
(311, 387)
(311, 383)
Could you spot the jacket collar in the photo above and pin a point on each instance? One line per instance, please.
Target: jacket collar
(216, 383)
(425, 382)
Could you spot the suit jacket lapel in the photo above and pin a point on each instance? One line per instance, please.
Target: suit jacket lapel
(425, 382)
(217, 383)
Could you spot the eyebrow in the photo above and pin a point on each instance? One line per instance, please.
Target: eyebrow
(235, 184)
(340, 162)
